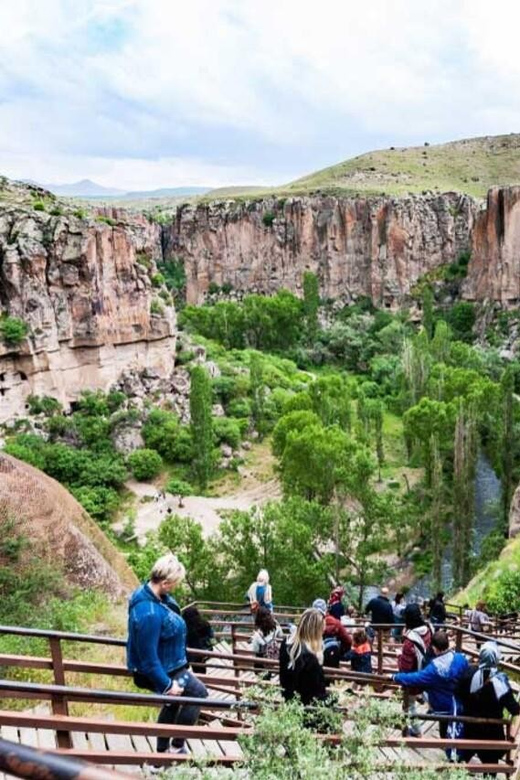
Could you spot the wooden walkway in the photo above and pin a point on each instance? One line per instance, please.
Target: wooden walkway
(130, 746)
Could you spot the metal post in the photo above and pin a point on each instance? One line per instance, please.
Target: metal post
(59, 702)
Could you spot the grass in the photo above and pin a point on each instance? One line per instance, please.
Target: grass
(470, 165)
(481, 586)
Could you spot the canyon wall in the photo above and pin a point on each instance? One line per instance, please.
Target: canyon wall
(84, 289)
(494, 270)
(378, 247)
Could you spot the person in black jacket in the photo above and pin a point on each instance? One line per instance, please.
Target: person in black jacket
(380, 609)
(438, 610)
(485, 693)
(199, 636)
(301, 659)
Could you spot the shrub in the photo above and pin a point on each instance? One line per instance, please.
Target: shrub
(144, 464)
(106, 220)
(13, 331)
(174, 275)
(162, 432)
(213, 288)
(505, 594)
(39, 205)
(99, 502)
(239, 407)
(157, 280)
(226, 431)
(79, 213)
(43, 404)
(180, 488)
(57, 211)
(156, 307)
(268, 218)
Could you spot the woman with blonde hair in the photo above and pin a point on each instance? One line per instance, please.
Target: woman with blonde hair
(156, 648)
(301, 660)
(260, 593)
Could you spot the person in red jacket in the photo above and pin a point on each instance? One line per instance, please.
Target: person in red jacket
(417, 637)
(336, 639)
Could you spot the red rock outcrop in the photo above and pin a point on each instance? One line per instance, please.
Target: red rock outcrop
(378, 247)
(84, 289)
(494, 270)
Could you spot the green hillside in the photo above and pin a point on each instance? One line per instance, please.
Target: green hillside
(471, 165)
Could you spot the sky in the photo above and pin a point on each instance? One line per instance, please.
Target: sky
(141, 94)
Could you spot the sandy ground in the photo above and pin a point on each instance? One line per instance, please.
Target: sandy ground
(150, 514)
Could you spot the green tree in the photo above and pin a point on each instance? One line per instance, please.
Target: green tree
(465, 458)
(314, 461)
(311, 303)
(179, 488)
(258, 393)
(375, 410)
(293, 421)
(330, 397)
(144, 464)
(185, 537)
(507, 441)
(436, 513)
(201, 425)
(427, 311)
(13, 331)
(426, 419)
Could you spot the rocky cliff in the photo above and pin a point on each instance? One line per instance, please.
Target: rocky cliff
(378, 247)
(494, 270)
(83, 286)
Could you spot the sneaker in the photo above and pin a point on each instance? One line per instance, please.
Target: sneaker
(155, 769)
(180, 751)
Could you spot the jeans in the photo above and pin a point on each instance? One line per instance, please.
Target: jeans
(180, 714)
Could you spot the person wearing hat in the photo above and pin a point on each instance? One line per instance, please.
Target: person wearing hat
(336, 639)
(485, 692)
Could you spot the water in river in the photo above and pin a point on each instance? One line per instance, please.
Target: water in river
(487, 498)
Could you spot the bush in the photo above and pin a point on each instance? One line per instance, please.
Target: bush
(239, 407)
(99, 502)
(79, 214)
(43, 404)
(156, 307)
(39, 205)
(13, 331)
(226, 431)
(56, 211)
(268, 218)
(157, 280)
(505, 593)
(144, 464)
(106, 220)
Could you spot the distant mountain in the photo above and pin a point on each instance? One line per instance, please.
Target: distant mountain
(167, 192)
(90, 189)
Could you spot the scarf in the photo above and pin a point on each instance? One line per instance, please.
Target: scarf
(487, 671)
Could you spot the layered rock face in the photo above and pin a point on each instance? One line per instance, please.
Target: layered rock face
(494, 270)
(84, 289)
(378, 247)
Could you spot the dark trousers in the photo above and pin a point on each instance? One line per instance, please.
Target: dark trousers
(179, 714)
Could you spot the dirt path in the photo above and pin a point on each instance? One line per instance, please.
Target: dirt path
(205, 510)
(257, 486)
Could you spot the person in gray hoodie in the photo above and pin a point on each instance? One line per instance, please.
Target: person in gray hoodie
(156, 648)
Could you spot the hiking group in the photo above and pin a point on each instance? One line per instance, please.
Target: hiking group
(162, 638)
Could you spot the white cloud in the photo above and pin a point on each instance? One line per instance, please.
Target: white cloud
(144, 90)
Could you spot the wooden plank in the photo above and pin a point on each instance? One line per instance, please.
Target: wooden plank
(10, 733)
(141, 744)
(46, 739)
(79, 740)
(70, 723)
(120, 743)
(28, 737)
(96, 741)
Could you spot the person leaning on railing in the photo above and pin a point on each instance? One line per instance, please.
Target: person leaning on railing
(156, 648)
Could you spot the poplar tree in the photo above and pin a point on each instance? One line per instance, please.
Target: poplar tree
(201, 425)
(436, 517)
(507, 390)
(427, 311)
(464, 463)
(311, 303)
(258, 395)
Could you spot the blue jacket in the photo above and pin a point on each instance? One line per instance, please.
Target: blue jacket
(439, 679)
(156, 637)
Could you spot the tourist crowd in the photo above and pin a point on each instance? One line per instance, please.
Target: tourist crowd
(162, 638)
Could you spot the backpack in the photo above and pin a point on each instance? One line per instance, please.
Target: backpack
(331, 651)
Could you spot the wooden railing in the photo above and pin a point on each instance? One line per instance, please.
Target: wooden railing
(230, 711)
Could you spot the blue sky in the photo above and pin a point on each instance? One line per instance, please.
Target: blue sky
(150, 93)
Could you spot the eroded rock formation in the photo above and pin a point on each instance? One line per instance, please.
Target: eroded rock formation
(378, 247)
(494, 271)
(84, 289)
(59, 530)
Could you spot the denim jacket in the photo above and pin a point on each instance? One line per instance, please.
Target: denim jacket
(156, 644)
